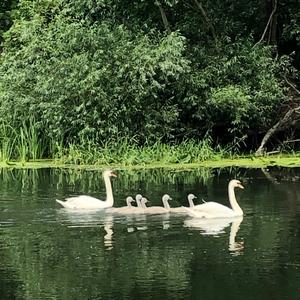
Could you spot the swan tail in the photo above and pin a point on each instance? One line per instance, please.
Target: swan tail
(62, 203)
(193, 213)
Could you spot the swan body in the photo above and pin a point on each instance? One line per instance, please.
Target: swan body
(182, 209)
(123, 209)
(129, 209)
(157, 209)
(217, 210)
(88, 202)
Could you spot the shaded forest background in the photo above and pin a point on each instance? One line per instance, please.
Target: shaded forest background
(77, 71)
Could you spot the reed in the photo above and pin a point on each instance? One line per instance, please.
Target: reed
(21, 144)
(127, 152)
(7, 141)
(29, 144)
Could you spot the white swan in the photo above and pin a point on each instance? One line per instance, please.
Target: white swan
(88, 202)
(182, 210)
(217, 210)
(157, 209)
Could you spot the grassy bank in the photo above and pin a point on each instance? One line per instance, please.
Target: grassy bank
(24, 148)
(246, 162)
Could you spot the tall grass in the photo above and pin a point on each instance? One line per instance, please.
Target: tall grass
(7, 141)
(27, 143)
(127, 152)
(22, 144)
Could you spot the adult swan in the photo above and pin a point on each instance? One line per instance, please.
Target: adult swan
(88, 202)
(217, 210)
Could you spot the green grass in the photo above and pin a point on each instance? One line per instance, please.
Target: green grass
(127, 153)
(25, 148)
(238, 161)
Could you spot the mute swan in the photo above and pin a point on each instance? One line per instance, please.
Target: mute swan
(88, 202)
(182, 209)
(129, 206)
(138, 199)
(217, 210)
(129, 209)
(143, 202)
(158, 209)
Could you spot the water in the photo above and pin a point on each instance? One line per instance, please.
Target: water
(47, 252)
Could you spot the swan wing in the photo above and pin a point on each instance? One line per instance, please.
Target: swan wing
(214, 209)
(82, 198)
(178, 210)
(83, 201)
(155, 210)
(194, 213)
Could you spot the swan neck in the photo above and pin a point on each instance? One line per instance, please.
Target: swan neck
(234, 205)
(129, 203)
(191, 203)
(166, 204)
(138, 203)
(108, 188)
(235, 226)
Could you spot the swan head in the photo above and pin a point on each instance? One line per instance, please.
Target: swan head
(144, 200)
(236, 183)
(166, 197)
(191, 197)
(129, 199)
(138, 197)
(109, 173)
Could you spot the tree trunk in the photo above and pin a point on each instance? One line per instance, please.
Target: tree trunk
(164, 17)
(287, 119)
(273, 26)
(205, 16)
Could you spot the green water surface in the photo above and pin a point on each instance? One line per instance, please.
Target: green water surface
(48, 252)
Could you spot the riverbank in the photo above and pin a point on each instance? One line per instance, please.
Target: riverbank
(245, 162)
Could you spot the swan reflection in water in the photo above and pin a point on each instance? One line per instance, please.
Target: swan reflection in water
(108, 228)
(89, 219)
(216, 227)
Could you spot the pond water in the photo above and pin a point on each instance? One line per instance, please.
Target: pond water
(48, 252)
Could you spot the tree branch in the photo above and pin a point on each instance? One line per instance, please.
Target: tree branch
(291, 85)
(204, 14)
(268, 24)
(279, 125)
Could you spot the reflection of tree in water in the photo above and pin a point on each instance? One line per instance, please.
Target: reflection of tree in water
(153, 183)
(65, 261)
(47, 257)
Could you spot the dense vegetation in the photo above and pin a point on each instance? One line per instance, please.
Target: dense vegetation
(78, 76)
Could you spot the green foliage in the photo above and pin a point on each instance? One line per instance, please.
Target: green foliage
(232, 104)
(108, 76)
(238, 89)
(91, 72)
(6, 7)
